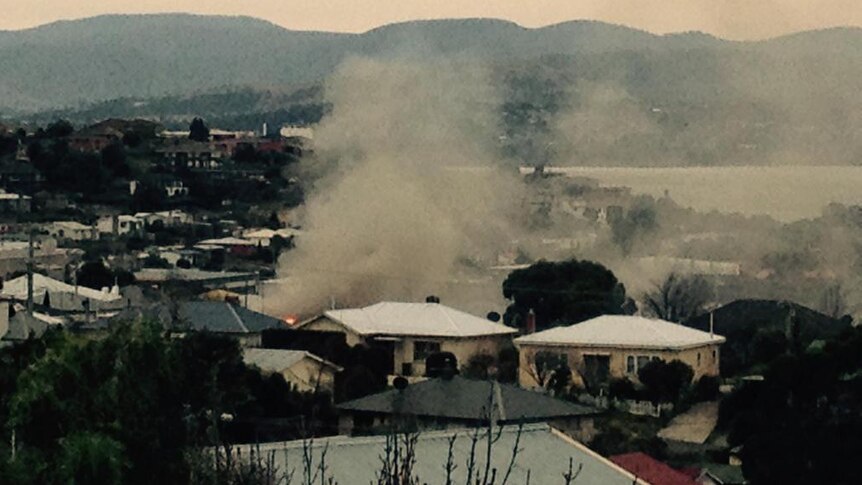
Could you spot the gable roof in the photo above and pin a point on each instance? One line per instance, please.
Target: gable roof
(623, 331)
(416, 319)
(460, 398)
(653, 471)
(223, 317)
(277, 360)
(543, 452)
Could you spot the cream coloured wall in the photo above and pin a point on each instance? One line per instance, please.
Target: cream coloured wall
(324, 324)
(706, 365)
(309, 375)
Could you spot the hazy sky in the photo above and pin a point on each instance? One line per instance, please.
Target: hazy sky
(741, 19)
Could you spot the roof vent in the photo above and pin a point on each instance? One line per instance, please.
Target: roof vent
(432, 299)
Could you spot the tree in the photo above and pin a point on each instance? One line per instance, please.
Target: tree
(665, 382)
(543, 365)
(114, 159)
(639, 221)
(678, 298)
(198, 130)
(96, 275)
(59, 129)
(562, 293)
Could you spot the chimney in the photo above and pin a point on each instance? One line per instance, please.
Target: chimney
(711, 324)
(531, 322)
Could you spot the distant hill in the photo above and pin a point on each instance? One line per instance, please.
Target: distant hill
(679, 99)
(71, 62)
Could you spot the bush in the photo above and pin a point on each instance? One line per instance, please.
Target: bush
(706, 389)
(665, 382)
(480, 366)
(623, 389)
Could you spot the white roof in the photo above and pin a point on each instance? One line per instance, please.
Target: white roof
(277, 360)
(269, 233)
(17, 288)
(73, 225)
(228, 241)
(6, 196)
(416, 319)
(623, 331)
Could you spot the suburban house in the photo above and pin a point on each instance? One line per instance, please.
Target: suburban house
(226, 319)
(120, 225)
(15, 203)
(192, 155)
(263, 237)
(95, 138)
(233, 245)
(58, 297)
(614, 347)
(545, 455)
(457, 402)
(410, 332)
(14, 256)
(71, 231)
(206, 279)
(305, 371)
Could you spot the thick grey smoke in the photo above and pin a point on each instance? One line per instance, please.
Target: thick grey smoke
(411, 196)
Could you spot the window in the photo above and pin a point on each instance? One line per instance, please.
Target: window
(634, 363)
(698, 359)
(643, 360)
(714, 355)
(422, 349)
(630, 364)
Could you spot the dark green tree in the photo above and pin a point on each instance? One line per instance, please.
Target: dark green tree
(562, 293)
(96, 275)
(665, 381)
(198, 130)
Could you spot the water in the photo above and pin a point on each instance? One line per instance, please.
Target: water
(786, 193)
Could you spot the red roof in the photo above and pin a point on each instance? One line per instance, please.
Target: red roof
(651, 470)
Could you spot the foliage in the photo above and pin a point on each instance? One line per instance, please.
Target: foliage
(480, 366)
(124, 409)
(665, 381)
(561, 293)
(678, 297)
(623, 389)
(801, 424)
(441, 364)
(545, 366)
(638, 222)
(705, 389)
(96, 275)
(198, 130)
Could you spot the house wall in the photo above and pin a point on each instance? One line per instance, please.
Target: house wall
(309, 375)
(404, 349)
(324, 324)
(705, 365)
(462, 348)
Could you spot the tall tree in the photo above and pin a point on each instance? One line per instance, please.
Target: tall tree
(198, 130)
(678, 297)
(564, 292)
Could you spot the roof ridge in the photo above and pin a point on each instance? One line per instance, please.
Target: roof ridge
(237, 317)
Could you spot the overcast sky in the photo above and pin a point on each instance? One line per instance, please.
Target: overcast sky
(738, 19)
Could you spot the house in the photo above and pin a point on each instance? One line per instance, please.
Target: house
(95, 138)
(121, 225)
(615, 347)
(410, 332)
(745, 322)
(232, 245)
(226, 319)
(14, 256)
(71, 231)
(545, 455)
(15, 203)
(206, 279)
(305, 371)
(57, 296)
(263, 237)
(169, 218)
(191, 155)
(457, 402)
(16, 325)
(651, 470)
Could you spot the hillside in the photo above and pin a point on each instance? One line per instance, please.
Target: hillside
(72, 62)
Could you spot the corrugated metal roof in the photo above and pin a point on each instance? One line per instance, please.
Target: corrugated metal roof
(623, 331)
(222, 317)
(544, 453)
(17, 288)
(460, 398)
(652, 470)
(418, 319)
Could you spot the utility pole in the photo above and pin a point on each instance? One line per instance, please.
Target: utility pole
(30, 272)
